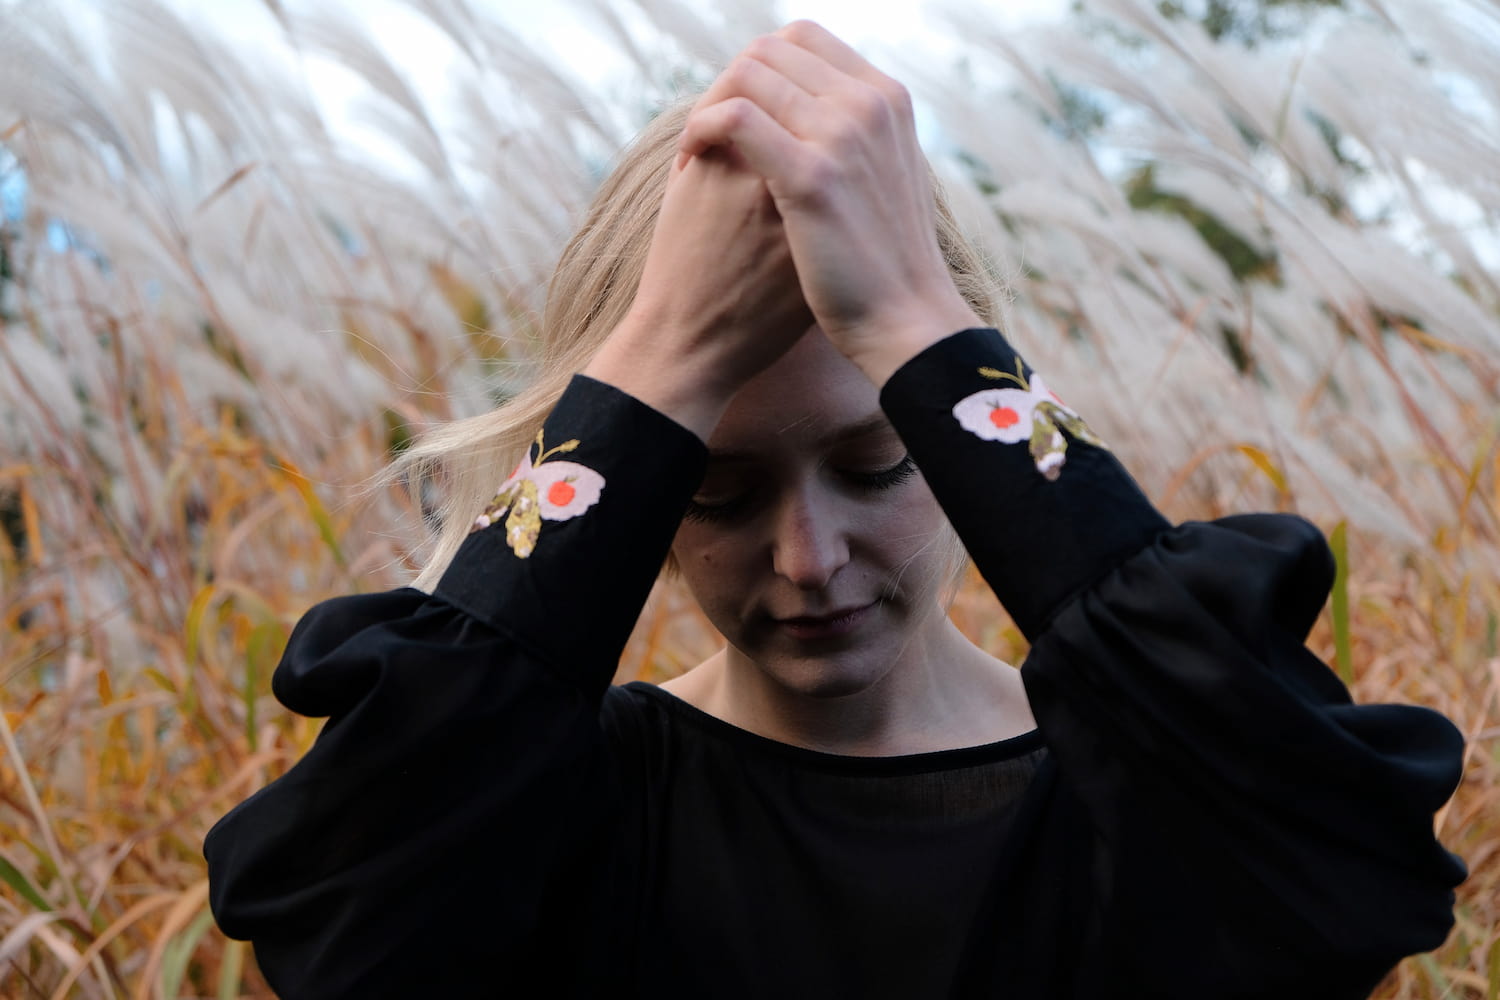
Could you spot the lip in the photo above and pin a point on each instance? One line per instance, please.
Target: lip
(830, 626)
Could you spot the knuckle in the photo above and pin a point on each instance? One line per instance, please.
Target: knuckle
(799, 31)
(761, 47)
(869, 105)
(737, 112)
(899, 98)
(818, 175)
(739, 72)
(844, 131)
(726, 116)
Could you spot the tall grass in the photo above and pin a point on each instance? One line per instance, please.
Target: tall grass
(217, 319)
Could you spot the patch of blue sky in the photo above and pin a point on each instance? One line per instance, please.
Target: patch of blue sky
(12, 188)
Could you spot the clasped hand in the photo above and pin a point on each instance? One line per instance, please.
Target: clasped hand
(798, 188)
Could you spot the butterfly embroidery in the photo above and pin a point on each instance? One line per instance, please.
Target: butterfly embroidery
(538, 491)
(1029, 412)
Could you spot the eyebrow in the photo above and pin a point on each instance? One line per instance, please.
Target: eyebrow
(873, 424)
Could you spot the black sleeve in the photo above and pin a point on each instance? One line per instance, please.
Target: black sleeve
(460, 774)
(1257, 834)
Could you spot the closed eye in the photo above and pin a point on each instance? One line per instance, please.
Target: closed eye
(715, 510)
(730, 507)
(884, 479)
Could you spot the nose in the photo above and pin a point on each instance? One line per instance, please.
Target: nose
(811, 541)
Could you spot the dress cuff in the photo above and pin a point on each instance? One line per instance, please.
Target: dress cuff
(566, 554)
(1042, 505)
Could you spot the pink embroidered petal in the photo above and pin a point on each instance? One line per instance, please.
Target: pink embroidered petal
(566, 489)
(523, 469)
(1040, 391)
(997, 414)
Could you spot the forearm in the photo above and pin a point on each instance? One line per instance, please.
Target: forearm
(1169, 676)
(463, 729)
(1042, 506)
(691, 376)
(679, 374)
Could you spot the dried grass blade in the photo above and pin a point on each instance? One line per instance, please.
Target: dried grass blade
(22, 934)
(229, 182)
(141, 909)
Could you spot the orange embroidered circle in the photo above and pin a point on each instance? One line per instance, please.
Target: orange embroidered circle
(560, 493)
(1004, 416)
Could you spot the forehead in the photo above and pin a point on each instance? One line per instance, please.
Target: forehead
(811, 396)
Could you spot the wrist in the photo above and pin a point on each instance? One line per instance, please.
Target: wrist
(638, 359)
(881, 347)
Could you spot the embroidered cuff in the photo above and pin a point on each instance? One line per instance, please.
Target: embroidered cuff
(1041, 504)
(565, 555)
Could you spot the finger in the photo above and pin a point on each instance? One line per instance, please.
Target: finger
(767, 146)
(773, 92)
(729, 83)
(763, 86)
(824, 44)
(827, 46)
(809, 71)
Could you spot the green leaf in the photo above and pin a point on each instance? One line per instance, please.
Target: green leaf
(179, 951)
(1344, 656)
(231, 970)
(1440, 983)
(11, 876)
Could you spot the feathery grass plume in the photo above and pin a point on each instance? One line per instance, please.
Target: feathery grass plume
(1268, 273)
(1343, 367)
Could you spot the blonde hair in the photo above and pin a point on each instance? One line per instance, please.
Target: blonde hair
(592, 288)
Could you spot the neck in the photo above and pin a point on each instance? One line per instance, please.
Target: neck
(939, 694)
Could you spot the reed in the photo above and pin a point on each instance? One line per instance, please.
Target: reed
(1269, 273)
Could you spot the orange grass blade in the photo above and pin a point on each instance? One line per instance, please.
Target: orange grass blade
(142, 908)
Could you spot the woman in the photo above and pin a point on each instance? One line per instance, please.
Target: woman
(849, 799)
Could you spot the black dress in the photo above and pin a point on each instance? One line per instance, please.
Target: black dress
(1201, 812)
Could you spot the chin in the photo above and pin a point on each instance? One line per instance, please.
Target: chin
(823, 677)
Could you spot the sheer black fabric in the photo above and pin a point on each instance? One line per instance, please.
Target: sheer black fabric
(1201, 812)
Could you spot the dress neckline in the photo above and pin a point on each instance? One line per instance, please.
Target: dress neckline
(916, 763)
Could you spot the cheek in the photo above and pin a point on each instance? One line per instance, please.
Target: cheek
(696, 546)
(711, 567)
(706, 558)
(910, 519)
(908, 534)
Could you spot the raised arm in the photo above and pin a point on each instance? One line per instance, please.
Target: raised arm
(459, 780)
(1253, 833)
(449, 827)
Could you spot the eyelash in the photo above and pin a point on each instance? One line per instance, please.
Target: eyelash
(882, 479)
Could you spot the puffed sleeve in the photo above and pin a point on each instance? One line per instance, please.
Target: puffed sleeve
(417, 848)
(1255, 833)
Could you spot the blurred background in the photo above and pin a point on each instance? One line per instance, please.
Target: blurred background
(249, 250)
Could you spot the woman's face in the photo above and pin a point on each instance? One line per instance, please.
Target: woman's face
(814, 545)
